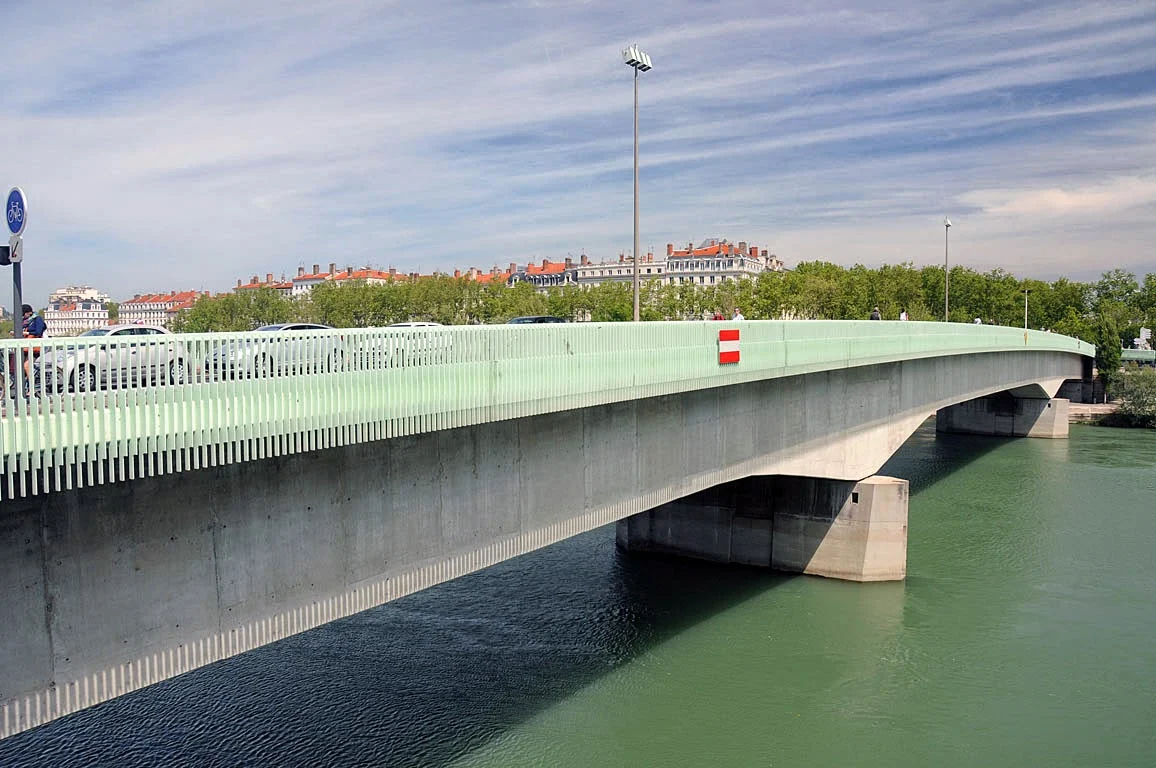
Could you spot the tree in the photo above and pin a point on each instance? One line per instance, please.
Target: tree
(1108, 352)
(113, 311)
(1138, 397)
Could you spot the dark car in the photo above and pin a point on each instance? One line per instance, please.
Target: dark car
(538, 319)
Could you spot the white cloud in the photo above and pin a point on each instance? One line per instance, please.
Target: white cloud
(1112, 196)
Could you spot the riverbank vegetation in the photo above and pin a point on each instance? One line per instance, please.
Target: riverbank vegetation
(1113, 307)
(1136, 395)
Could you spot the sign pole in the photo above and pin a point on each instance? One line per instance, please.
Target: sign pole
(17, 301)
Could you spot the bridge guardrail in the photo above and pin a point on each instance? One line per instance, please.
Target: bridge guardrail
(102, 410)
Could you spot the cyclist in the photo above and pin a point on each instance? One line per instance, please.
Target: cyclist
(34, 328)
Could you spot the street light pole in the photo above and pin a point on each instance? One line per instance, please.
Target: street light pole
(636, 315)
(1026, 292)
(639, 62)
(946, 272)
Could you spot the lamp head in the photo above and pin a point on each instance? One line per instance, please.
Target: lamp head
(946, 222)
(635, 57)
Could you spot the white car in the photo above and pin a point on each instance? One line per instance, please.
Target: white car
(277, 350)
(115, 356)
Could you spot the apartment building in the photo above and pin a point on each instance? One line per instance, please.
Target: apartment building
(75, 309)
(156, 308)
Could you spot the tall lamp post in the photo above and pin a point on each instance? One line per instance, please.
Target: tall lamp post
(946, 273)
(1026, 292)
(639, 62)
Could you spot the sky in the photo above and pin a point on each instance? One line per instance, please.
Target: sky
(182, 145)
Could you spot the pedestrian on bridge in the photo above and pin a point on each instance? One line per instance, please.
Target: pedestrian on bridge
(876, 314)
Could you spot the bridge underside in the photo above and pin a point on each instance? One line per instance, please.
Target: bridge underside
(115, 587)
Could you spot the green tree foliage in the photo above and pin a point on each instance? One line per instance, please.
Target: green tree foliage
(813, 290)
(113, 311)
(1138, 397)
(241, 311)
(1108, 351)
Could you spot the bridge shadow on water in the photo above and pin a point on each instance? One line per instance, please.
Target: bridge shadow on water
(430, 678)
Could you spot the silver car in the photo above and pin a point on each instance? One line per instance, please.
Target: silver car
(119, 356)
(282, 352)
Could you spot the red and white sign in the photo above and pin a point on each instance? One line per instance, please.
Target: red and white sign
(728, 346)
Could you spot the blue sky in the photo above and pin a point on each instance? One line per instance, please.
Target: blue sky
(175, 145)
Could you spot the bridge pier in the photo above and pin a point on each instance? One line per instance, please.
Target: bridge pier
(1006, 415)
(840, 529)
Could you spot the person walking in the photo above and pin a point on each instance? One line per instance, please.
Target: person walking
(876, 314)
(903, 315)
(738, 315)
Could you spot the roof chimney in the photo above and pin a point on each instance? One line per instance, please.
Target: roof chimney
(742, 246)
(649, 256)
(670, 249)
(268, 277)
(545, 263)
(457, 273)
(513, 268)
(584, 260)
(754, 251)
(332, 267)
(238, 285)
(316, 268)
(764, 253)
(349, 271)
(569, 262)
(300, 271)
(392, 272)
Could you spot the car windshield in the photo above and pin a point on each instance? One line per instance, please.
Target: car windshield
(96, 332)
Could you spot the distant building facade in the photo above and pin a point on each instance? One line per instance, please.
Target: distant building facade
(75, 309)
(713, 262)
(156, 309)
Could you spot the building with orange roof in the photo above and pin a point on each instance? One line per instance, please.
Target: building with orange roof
(549, 274)
(154, 309)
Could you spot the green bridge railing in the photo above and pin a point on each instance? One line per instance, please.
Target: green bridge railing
(1138, 356)
(112, 408)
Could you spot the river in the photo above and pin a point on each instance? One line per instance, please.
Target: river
(1024, 635)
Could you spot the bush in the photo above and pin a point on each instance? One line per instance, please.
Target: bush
(1137, 393)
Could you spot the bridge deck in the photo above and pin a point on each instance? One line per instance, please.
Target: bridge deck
(225, 398)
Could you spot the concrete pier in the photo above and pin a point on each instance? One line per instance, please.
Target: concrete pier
(1005, 415)
(840, 529)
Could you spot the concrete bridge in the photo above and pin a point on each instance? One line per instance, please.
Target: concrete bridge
(151, 528)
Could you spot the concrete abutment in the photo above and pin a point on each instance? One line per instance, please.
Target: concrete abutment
(840, 529)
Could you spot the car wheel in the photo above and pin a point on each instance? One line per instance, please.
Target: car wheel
(178, 372)
(84, 379)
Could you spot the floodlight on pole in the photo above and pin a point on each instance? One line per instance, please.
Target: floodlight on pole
(946, 272)
(639, 61)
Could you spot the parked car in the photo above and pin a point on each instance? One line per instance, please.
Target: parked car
(400, 344)
(538, 319)
(125, 355)
(286, 352)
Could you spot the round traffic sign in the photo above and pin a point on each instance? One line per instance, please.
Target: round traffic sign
(16, 211)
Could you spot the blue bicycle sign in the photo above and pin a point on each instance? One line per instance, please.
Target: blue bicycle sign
(17, 211)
